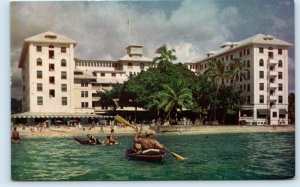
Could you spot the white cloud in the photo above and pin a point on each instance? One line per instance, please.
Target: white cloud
(101, 28)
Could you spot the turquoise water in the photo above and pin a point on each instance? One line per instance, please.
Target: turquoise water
(222, 157)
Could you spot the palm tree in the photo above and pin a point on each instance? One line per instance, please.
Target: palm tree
(237, 69)
(217, 73)
(177, 96)
(166, 57)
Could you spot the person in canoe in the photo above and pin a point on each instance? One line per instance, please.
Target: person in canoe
(106, 140)
(15, 136)
(112, 137)
(149, 143)
(93, 139)
(137, 147)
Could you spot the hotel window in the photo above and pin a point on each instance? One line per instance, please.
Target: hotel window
(142, 66)
(261, 50)
(63, 63)
(84, 84)
(63, 49)
(51, 80)
(261, 62)
(248, 75)
(261, 99)
(248, 63)
(274, 114)
(271, 55)
(51, 67)
(248, 87)
(39, 74)
(231, 57)
(102, 74)
(272, 80)
(280, 87)
(226, 57)
(63, 75)
(39, 62)
(113, 74)
(63, 87)
(248, 99)
(109, 65)
(84, 94)
(64, 101)
(280, 51)
(280, 63)
(84, 104)
(51, 93)
(261, 74)
(248, 51)
(241, 53)
(279, 75)
(39, 48)
(39, 87)
(280, 99)
(39, 100)
(261, 86)
(51, 52)
(129, 65)
(244, 52)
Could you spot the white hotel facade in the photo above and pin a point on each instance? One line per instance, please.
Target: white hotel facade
(265, 90)
(56, 84)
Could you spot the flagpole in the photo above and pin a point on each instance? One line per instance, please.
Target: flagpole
(128, 32)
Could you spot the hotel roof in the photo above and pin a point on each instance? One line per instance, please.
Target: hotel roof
(230, 46)
(46, 37)
(135, 58)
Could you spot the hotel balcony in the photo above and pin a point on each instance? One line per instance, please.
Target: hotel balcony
(273, 85)
(272, 61)
(273, 73)
(273, 98)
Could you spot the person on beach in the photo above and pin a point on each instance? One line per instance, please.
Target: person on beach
(149, 142)
(15, 136)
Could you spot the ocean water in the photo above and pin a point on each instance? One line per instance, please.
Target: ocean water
(243, 156)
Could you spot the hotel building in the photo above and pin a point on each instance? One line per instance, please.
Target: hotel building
(265, 89)
(55, 84)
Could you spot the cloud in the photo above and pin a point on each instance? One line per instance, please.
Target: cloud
(101, 29)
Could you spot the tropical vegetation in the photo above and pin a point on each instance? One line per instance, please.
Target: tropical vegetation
(171, 91)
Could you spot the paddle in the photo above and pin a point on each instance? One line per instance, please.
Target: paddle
(125, 122)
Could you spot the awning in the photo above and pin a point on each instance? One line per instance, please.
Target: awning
(263, 111)
(283, 111)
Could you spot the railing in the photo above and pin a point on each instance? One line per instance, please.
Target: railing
(272, 61)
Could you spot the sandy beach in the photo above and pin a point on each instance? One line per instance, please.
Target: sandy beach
(96, 131)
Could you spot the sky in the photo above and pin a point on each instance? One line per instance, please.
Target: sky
(192, 28)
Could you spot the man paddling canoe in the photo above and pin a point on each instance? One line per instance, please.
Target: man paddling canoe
(149, 142)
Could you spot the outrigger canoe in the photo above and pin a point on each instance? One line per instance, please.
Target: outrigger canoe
(151, 155)
(86, 141)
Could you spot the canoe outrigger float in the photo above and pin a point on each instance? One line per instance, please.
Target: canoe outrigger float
(151, 155)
